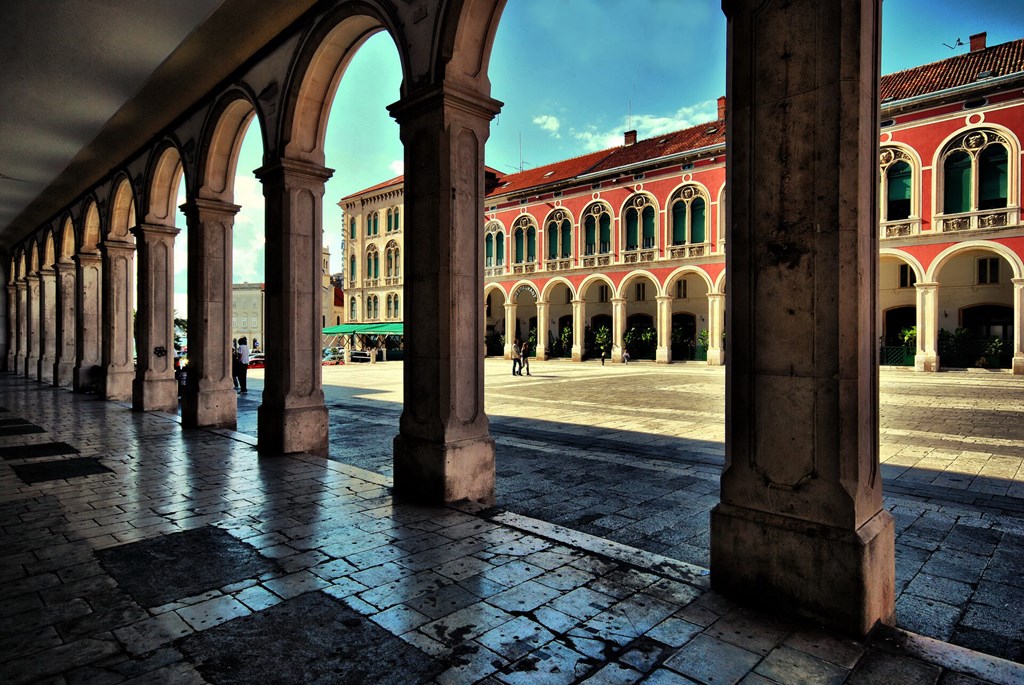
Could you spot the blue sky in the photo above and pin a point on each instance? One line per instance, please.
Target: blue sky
(574, 74)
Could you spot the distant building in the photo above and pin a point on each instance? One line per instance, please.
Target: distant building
(247, 310)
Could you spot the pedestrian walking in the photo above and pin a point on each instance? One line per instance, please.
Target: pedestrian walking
(517, 362)
(243, 362)
(234, 363)
(524, 359)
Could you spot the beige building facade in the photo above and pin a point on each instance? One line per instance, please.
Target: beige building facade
(374, 229)
(247, 312)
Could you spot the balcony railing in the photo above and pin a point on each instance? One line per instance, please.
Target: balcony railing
(970, 221)
(392, 280)
(637, 256)
(901, 229)
(494, 271)
(688, 251)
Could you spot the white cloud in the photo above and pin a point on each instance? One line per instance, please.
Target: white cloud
(397, 167)
(549, 123)
(647, 125)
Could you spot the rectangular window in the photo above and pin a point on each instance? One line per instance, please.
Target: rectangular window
(988, 270)
(245, 322)
(681, 289)
(641, 292)
(907, 276)
(602, 293)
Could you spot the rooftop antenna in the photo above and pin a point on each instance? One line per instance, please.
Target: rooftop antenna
(955, 45)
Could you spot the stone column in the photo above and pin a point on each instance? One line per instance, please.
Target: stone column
(579, 329)
(663, 354)
(444, 451)
(293, 417)
(542, 331)
(510, 327)
(64, 362)
(618, 327)
(119, 325)
(154, 387)
(209, 397)
(47, 324)
(88, 331)
(927, 356)
(23, 336)
(716, 325)
(1018, 327)
(13, 327)
(801, 528)
(32, 339)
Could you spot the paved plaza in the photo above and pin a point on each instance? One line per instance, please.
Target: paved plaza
(135, 551)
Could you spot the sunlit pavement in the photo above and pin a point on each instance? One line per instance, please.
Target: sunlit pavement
(135, 551)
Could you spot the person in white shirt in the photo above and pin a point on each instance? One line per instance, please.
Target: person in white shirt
(243, 362)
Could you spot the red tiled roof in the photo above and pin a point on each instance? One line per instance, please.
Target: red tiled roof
(549, 173)
(693, 138)
(380, 186)
(960, 70)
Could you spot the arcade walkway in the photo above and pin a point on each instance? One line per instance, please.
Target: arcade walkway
(137, 551)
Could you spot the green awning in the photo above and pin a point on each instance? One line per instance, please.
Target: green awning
(365, 329)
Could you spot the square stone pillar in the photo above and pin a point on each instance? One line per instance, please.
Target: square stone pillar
(444, 452)
(716, 325)
(88, 331)
(1018, 334)
(510, 326)
(801, 528)
(618, 328)
(47, 324)
(154, 387)
(579, 329)
(927, 357)
(209, 396)
(64, 363)
(119, 324)
(663, 354)
(13, 323)
(542, 331)
(293, 417)
(32, 311)
(22, 288)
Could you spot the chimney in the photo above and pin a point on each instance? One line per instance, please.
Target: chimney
(721, 108)
(630, 138)
(978, 41)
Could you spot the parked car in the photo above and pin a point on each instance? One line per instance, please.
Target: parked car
(256, 361)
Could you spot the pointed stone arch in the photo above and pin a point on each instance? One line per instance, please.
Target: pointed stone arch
(221, 140)
(91, 227)
(122, 205)
(162, 181)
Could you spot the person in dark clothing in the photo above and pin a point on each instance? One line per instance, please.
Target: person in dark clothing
(243, 363)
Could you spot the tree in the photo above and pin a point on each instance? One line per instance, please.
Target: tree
(180, 331)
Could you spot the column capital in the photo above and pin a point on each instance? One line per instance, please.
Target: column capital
(1018, 282)
(82, 258)
(206, 205)
(716, 296)
(63, 266)
(926, 285)
(618, 301)
(154, 230)
(664, 298)
(123, 245)
(445, 95)
(578, 302)
(287, 168)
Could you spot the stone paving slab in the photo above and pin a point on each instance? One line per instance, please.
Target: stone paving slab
(483, 597)
(952, 446)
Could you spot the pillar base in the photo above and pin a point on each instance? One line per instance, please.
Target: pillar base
(841, 578)
(30, 368)
(1018, 366)
(87, 378)
(716, 357)
(663, 355)
(155, 394)
(577, 353)
(438, 473)
(117, 384)
(63, 374)
(45, 371)
(541, 356)
(926, 362)
(288, 430)
(209, 408)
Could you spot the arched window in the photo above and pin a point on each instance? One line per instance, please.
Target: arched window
(524, 237)
(352, 309)
(897, 195)
(640, 215)
(369, 224)
(389, 306)
(975, 176)
(352, 268)
(398, 312)
(499, 245)
(597, 229)
(559, 235)
(689, 216)
(398, 219)
(390, 220)
(352, 228)
(494, 245)
(489, 250)
(372, 263)
(391, 265)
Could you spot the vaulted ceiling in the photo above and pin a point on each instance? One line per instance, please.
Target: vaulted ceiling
(85, 83)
